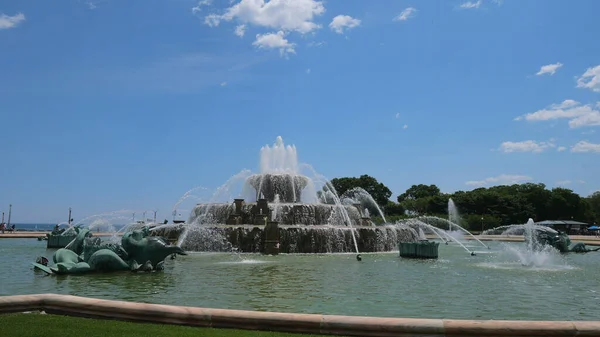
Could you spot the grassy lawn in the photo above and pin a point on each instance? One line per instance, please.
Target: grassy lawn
(36, 325)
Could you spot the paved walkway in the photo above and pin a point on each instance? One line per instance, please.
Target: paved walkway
(33, 235)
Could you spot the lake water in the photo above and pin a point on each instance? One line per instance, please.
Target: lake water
(494, 285)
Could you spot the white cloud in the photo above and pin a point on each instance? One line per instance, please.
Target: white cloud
(343, 22)
(397, 115)
(406, 14)
(471, 4)
(563, 182)
(590, 119)
(223, 84)
(308, 71)
(240, 30)
(580, 181)
(274, 41)
(578, 115)
(201, 3)
(590, 79)
(585, 146)
(525, 146)
(503, 179)
(549, 69)
(588, 132)
(561, 148)
(283, 15)
(7, 22)
(405, 126)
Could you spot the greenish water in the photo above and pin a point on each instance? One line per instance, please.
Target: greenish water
(494, 285)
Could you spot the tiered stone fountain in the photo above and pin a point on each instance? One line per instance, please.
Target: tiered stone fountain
(284, 213)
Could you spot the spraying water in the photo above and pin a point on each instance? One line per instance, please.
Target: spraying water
(359, 195)
(454, 219)
(443, 235)
(276, 207)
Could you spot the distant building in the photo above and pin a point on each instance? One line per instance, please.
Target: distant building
(567, 226)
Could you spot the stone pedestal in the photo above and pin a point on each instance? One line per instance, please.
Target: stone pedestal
(366, 221)
(260, 220)
(239, 203)
(271, 238)
(262, 207)
(234, 219)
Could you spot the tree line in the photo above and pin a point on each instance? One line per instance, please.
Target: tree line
(479, 208)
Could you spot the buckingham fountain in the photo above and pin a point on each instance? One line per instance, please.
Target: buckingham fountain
(286, 208)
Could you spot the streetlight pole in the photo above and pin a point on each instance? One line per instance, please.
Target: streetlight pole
(481, 225)
(9, 213)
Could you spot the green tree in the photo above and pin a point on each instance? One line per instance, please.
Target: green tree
(419, 191)
(380, 193)
(393, 208)
(593, 202)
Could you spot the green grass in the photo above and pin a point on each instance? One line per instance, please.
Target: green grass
(36, 325)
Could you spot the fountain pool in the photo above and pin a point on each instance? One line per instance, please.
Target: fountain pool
(487, 286)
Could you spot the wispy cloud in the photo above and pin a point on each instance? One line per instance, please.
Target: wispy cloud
(590, 79)
(406, 14)
(525, 146)
(316, 43)
(200, 4)
(179, 74)
(585, 146)
(549, 69)
(240, 30)
(503, 179)
(471, 4)
(342, 23)
(7, 22)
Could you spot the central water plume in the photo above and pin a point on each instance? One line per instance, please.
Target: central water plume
(279, 158)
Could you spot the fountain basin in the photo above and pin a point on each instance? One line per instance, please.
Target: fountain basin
(292, 239)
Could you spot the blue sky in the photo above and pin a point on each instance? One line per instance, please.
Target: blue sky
(125, 105)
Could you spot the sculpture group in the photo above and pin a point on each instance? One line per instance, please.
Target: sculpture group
(138, 251)
(561, 242)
